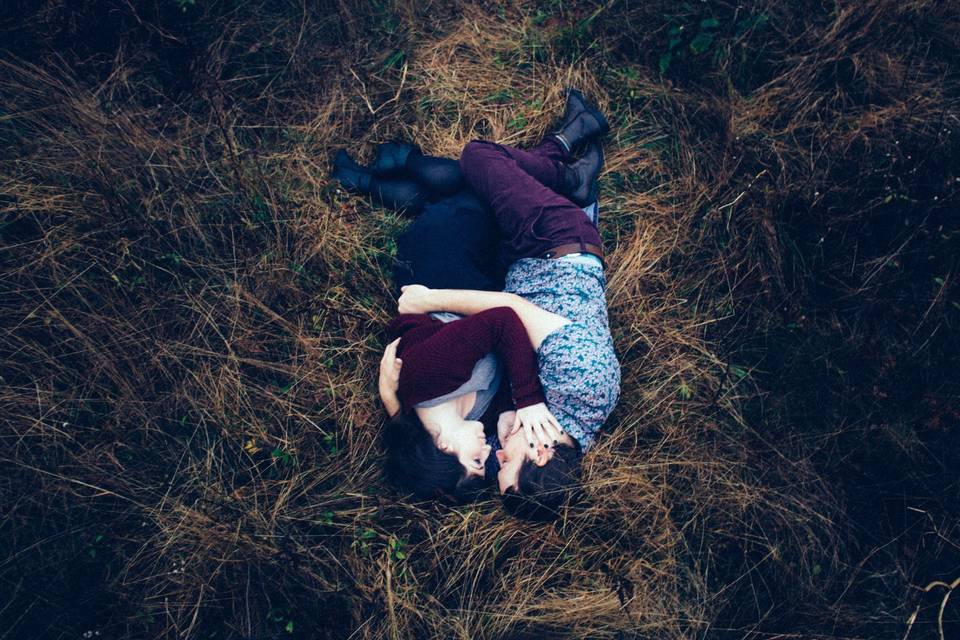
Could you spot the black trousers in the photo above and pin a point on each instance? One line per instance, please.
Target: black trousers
(453, 244)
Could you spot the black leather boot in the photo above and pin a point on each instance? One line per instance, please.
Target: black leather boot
(581, 122)
(349, 174)
(575, 105)
(580, 181)
(391, 157)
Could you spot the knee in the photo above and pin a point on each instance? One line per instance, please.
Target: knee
(473, 153)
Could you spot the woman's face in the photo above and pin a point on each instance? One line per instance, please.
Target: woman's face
(466, 440)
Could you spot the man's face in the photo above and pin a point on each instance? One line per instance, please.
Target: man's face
(515, 451)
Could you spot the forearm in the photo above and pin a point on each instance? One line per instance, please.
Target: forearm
(537, 322)
(469, 302)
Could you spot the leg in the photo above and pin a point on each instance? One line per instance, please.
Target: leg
(532, 216)
(545, 162)
(398, 194)
(441, 176)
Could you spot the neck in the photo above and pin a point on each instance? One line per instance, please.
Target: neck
(449, 413)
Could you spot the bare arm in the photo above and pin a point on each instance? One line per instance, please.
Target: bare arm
(537, 322)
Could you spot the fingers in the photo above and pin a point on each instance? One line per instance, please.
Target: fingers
(555, 425)
(553, 428)
(518, 423)
(535, 428)
(541, 434)
(390, 351)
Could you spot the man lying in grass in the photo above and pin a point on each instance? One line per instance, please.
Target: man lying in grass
(451, 390)
(554, 285)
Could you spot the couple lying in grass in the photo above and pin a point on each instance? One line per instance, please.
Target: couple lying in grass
(500, 362)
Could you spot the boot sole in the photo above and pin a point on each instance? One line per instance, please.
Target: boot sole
(602, 120)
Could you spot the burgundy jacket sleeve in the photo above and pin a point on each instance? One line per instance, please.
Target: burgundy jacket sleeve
(437, 360)
(406, 322)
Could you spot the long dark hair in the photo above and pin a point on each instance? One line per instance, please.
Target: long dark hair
(415, 465)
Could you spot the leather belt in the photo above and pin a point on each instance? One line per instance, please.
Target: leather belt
(574, 247)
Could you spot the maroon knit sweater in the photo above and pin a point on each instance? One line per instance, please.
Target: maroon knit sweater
(438, 357)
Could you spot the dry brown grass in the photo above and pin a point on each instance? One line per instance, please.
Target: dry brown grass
(192, 313)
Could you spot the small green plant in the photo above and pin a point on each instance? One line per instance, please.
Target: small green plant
(95, 544)
(698, 43)
(501, 96)
(283, 457)
(282, 616)
(330, 444)
(740, 372)
(517, 123)
(396, 549)
(395, 60)
(363, 538)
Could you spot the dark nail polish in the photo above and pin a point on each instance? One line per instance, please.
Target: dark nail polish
(554, 443)
(531, 445)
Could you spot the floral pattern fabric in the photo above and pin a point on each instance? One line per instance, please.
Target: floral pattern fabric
(578, 366)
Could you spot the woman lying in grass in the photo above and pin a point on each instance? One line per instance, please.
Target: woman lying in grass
(451, 390)
(557, 297)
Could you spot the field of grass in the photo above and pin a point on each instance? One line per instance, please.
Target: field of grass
(191, 317)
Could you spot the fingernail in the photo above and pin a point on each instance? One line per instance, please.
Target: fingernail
(554, 443)
(546, 446)
(531, 445)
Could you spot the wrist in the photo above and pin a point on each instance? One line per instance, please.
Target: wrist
(529, 399)
(437, 299)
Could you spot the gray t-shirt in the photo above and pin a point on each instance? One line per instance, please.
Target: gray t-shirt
(485, 379)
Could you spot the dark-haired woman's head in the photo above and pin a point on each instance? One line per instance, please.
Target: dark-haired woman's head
(416, 465)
